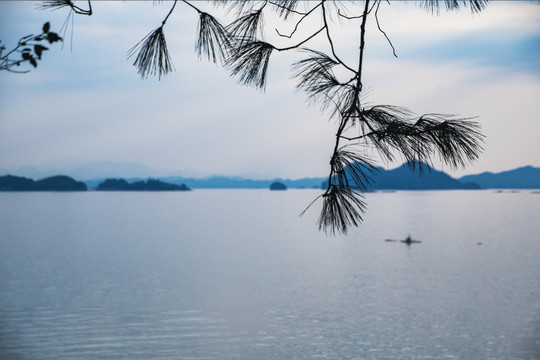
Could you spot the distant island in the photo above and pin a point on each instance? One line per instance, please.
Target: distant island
(65, 183)
(148, 185)
(53, 183)
(276, 185)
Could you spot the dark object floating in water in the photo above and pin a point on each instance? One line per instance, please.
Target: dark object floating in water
(407, 241)
(410, 241)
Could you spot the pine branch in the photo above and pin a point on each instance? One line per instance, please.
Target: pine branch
(152, 55)
(383, 115)
(316, 78)
(54, 4)
(250, 60)
(351, 170)
(456, 141)
(58, 4)
(213, 42)
(246, 27)
(341, 209)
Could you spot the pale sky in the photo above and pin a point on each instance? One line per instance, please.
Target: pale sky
(86, 103)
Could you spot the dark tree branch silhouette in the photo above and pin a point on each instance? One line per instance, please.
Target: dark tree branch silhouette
(391, 130)
(58, 4)
(29, 49)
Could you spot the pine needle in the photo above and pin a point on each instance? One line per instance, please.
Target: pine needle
(153, 58)
(250, 61)
(246, 27)
(317, 79)
(341, 209)
(214, 42)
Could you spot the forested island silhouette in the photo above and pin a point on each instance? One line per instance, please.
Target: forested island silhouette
(52, 183)
(66, 183)
(148, 185)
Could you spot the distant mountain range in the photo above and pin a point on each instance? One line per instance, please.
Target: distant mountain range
(224, 182)
(401, 178)
(526, 177)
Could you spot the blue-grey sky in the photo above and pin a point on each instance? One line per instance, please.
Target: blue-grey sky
(85, 103)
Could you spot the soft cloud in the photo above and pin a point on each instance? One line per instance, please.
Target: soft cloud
(514, 19)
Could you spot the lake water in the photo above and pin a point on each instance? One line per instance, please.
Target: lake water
(237, 274)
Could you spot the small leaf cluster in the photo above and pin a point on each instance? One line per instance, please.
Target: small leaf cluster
(29, 50)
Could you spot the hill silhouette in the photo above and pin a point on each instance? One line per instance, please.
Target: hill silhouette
(403, 178)
(53, 183)
(148, 185)
(276, 185)
(526, 177)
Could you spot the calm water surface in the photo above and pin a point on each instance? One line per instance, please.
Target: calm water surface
(237, 274)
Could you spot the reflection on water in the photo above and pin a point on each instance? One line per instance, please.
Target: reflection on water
(238, 275)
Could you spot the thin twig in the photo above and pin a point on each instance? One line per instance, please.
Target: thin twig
(170, 12)
(349, 17)
(192, 6)
(299, 21)
(331, 42)
(301, 42)
(381, 30)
